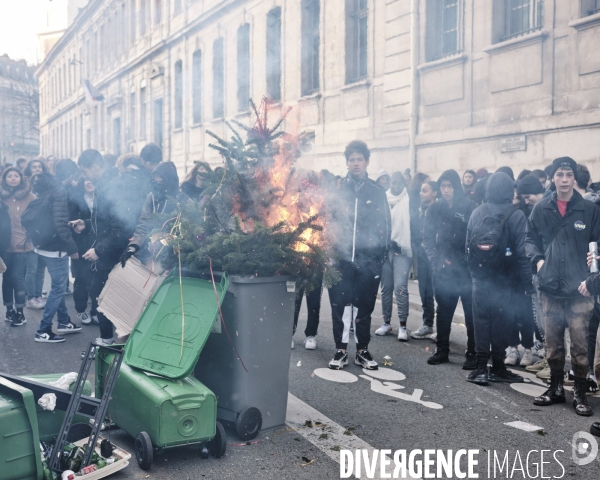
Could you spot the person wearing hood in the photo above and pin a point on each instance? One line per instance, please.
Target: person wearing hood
(193, 185)
(444, 237)
(359, 228)
(469, 181)
(394, 276)
(55, 250)
(559, 231)
(499, 273)
(16, 196)
(164, 197)
(383, 179)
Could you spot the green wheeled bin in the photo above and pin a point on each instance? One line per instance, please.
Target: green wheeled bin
(156, 400)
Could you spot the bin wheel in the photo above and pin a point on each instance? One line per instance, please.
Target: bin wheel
(78, 431)
(218, 445)
(248, 423)
(143, 450)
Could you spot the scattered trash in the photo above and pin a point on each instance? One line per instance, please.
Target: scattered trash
(47, 401)
(308, 424)
(307, 462)
(245, 444)
(541, 432)
(297, 439)
(65, 381)
(387, 361)
(299, 364)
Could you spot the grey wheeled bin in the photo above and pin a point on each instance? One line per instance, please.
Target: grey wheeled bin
(259, 316)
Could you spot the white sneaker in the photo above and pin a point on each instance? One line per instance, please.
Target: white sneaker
(41, 302)
(31, 303)
(385, 329)
(293, 344)
(339, 360)
(402, 334)
(310, 343)
(104, 341)
(423, 332)
(84, 318)
(512, 358)
(527, 358)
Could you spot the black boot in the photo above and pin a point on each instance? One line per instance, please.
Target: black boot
(580, 403)
(470, 361)
(479, 376)
(438, 357)
(595, 429)
(554, 394)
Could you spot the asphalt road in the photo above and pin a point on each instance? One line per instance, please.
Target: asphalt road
(387, 411)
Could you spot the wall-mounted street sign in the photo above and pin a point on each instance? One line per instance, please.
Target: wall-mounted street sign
(518, 143)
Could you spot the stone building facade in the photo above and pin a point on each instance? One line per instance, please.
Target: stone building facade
(19, 111)
(431, 84)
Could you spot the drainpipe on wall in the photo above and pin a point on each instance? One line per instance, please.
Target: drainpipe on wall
(414, 101)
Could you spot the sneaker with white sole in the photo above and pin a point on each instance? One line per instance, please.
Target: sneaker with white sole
(41, 302)
(339, 360)
(545, 373)
(18, 320)
(84, 318)
(67, 328)
(402, 334)
(48, 337)
(527, 358)
(512, 358)
(95, 320)
(537, 366)
(310, 343)
(31, 303)
(104, 341)
(365, 360)
(423, 332)
(10, 315)
(385, 329)
(537, 346)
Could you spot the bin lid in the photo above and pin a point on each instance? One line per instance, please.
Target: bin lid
(156, 344)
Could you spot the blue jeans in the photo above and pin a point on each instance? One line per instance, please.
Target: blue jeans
(394, 280)
(58, 268)
(34, 278)
(13, 280)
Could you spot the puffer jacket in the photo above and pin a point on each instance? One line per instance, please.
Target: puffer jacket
(445, 232)
(17, 202)
(46, 185)
(360, 224)
(562, 242)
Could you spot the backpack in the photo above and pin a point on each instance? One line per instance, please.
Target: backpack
(38, 221)
(487, 249)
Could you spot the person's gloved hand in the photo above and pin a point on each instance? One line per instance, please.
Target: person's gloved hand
(127, 254)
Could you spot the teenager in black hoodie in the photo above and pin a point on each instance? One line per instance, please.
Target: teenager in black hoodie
(444, 235)
(493, 291)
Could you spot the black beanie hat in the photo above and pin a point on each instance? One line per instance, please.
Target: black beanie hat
(529, 185)
(564, 162)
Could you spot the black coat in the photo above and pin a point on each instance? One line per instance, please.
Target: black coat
(563, 242)
(79, 210)
(445, 232)
(5, 229)
(364, 237)
(48, 186)
(192, 191)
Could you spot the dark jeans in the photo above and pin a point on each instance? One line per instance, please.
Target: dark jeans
(13, 280)
(353, 299)
(448, 290)
(523, 321)
(313, 305)
(426, 287)
(99, 278)
(34, 278)
(58, 268)
(492, 318)
(82, 272)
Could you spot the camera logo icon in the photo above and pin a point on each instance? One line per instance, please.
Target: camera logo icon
(584, 448)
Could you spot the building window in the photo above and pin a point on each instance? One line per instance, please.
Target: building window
(589, 7)
(218, 79)
(179, 94)
(197, 87)
(177, 7)
(157, 11)
(311, 40)
(274, 54)
(143, 112)
(243, 67)
(132, 119)
(521, 17)
(442, 28)
(158, 122)
(356, 40)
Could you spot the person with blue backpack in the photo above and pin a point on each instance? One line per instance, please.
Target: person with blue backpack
(495, 247)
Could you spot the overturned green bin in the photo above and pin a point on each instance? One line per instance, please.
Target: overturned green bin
(155, 400)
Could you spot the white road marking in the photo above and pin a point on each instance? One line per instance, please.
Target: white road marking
(338, 376)
(298, 412)
(526, 427)
(531, 389)
(385, 374)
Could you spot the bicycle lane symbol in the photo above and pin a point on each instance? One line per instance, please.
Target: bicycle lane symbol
(381, 382)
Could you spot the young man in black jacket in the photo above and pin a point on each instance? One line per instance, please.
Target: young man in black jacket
(559, 230)
(444, 237)
(112, 223)
(360, 229)
(499, 271)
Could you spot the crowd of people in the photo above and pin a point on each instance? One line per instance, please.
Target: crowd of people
(514, 251)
